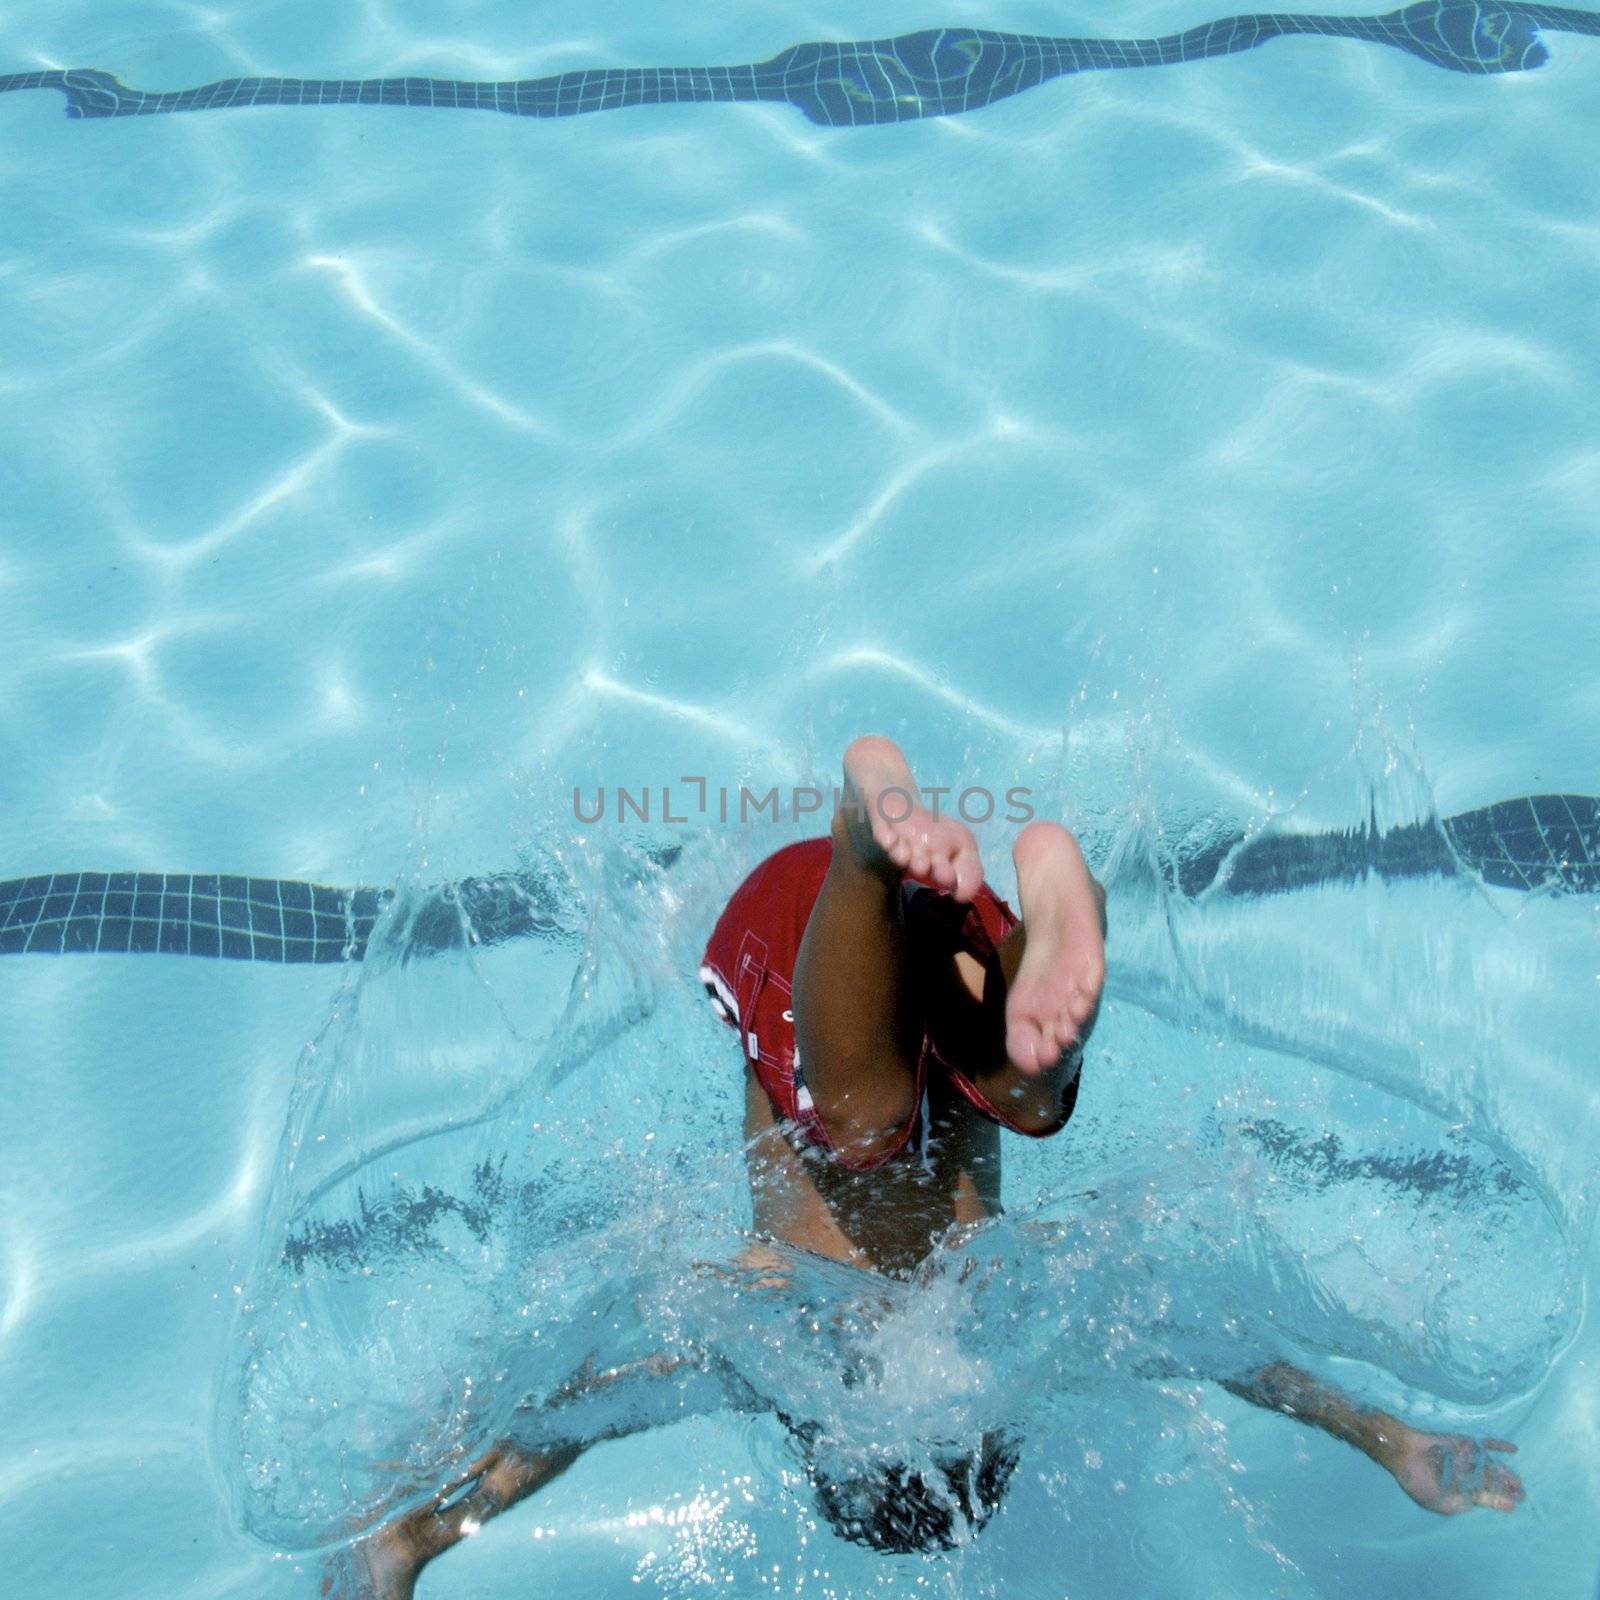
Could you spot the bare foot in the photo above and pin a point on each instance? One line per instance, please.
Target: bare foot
(1051, 1004)
(1450, 1472)
(887, 827)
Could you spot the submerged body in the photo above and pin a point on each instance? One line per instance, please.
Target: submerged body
(894, 1017)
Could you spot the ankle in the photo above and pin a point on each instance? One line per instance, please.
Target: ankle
(855, 842)
(840, 826)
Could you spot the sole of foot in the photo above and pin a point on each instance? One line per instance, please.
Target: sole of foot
(1052, 1002)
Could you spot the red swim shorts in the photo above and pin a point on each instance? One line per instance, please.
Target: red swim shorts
(748, 970)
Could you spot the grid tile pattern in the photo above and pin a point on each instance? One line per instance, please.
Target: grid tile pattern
(1543, 841)
(932, 73)
(264, 919)
(243, 919)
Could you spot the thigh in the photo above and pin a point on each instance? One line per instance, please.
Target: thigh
(858, 1028)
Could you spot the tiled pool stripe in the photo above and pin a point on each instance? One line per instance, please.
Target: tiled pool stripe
(246, 919)
(1541, 841)
(931, 73)
(258, 919)
(1549, 842)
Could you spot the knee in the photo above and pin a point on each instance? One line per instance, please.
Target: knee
(1039, 1107)
(862, 1136)
(1041, 1119)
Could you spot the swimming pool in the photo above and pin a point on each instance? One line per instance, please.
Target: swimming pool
(1206, 448)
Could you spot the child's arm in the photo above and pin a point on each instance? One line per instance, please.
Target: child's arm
(385, 1564)
(1443, 1472)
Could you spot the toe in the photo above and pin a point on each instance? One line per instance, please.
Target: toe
(1045, 1049)
(1022, 1046)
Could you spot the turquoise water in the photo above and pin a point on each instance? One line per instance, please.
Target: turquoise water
(1201, 448)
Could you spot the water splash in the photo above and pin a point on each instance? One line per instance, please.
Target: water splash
(506, 1164)
(436, 1240)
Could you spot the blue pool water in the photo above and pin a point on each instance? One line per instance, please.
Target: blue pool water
(1207, 448)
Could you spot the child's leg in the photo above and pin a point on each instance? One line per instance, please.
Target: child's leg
(857, 1023)
(860, 1009)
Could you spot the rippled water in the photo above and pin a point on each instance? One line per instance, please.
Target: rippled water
(1151, 440)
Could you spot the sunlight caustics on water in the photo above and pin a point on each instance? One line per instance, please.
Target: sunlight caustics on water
(1205, 449)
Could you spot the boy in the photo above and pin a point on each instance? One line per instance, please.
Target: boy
(894, 1016)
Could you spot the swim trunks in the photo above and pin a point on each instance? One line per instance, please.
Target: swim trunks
(748, 971)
